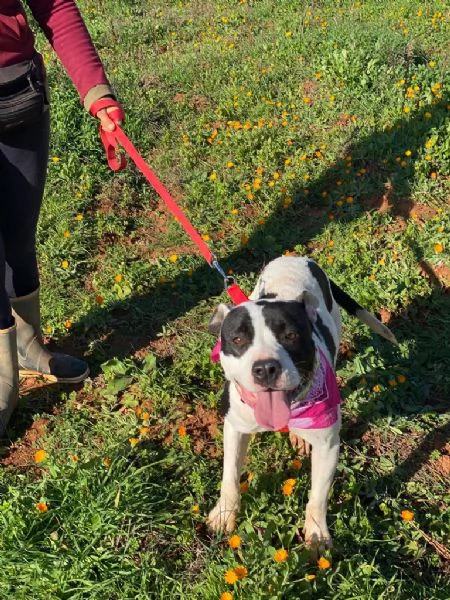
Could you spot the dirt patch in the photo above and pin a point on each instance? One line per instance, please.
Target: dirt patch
(202, 427)
(411, 452)
(200, 103)
(438, 274)
(21, 454)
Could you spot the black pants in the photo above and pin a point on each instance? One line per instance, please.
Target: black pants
(23, 168)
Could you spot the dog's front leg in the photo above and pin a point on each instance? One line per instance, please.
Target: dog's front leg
(223, 515)
(324, 458)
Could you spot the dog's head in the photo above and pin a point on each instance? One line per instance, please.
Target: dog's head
(268, 352)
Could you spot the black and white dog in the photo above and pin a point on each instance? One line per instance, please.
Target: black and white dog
(278, 352)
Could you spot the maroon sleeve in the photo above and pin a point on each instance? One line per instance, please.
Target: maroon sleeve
(65, 29)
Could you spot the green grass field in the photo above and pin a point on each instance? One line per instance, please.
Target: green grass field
(315, 128)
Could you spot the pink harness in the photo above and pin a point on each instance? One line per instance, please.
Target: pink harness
(319, 409)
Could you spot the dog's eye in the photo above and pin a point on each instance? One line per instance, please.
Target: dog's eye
(292, 336)
(238, 340)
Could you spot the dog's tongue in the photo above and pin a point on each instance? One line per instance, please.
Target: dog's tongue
(272, 410)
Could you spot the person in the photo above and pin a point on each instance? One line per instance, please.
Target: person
(24, 147)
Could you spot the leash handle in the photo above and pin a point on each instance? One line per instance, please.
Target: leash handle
(116, 160)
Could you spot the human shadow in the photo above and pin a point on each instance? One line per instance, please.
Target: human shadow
(376, 181)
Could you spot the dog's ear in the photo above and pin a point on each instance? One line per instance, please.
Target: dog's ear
(215, 322)
(311, 303)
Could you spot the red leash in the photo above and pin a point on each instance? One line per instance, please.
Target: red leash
(117, 162)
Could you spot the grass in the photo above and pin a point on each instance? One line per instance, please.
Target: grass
(318, 129)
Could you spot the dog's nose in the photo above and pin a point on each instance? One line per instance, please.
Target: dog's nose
(266, 372)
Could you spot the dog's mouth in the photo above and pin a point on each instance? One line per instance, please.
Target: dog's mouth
(272, 407)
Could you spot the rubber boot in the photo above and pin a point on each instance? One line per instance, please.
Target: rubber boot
(9, 376)
(34, 359)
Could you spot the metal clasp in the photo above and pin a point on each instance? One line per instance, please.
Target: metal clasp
(228, 280)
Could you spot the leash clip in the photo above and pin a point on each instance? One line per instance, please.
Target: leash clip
(231, 287)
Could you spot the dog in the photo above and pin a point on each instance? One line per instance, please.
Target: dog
(278, 353)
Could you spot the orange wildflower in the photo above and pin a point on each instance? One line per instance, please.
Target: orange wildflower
(241, 571)
(407, 515)
(288, 487)
(231, 577)
(40, 456)
(234, 542)
(280, 555)
(323, 563)
(41, 507)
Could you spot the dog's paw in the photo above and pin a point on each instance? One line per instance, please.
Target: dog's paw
(302, 446)
(316, 534)
(222, 518)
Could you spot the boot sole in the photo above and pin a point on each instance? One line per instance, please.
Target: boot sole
(25, 373)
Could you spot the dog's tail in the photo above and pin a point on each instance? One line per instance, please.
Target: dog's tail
(353, 308)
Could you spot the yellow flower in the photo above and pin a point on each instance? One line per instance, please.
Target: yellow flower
(407, 515)
(406, 109)
(234, 541)
(226, 596)
(195, 509)
(310, 577)
(427, 115)
(288, 33)
(231, 577)
(438, 248)
(213, 176)
(99, 299)
(280, 555)
(205, 237)
(74, 458)
(79, 217)
(133, 441)
(106, 462)
(323, 563)
(145, 416)
(65, 264)
(40, 456)
(408, 153)
(241, 571)
(296, 464)
(173, 258)
(118, 278)
(349, 199)
(55, 159)
(376, 388)
(182, 431)
(401, 378)
(68, 324)
(66, 234)
(230, 164)
(41, 507)
(144, 431)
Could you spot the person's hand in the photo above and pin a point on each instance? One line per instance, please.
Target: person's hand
(106, 122)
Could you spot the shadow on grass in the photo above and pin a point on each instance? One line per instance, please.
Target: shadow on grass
(131, 325)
